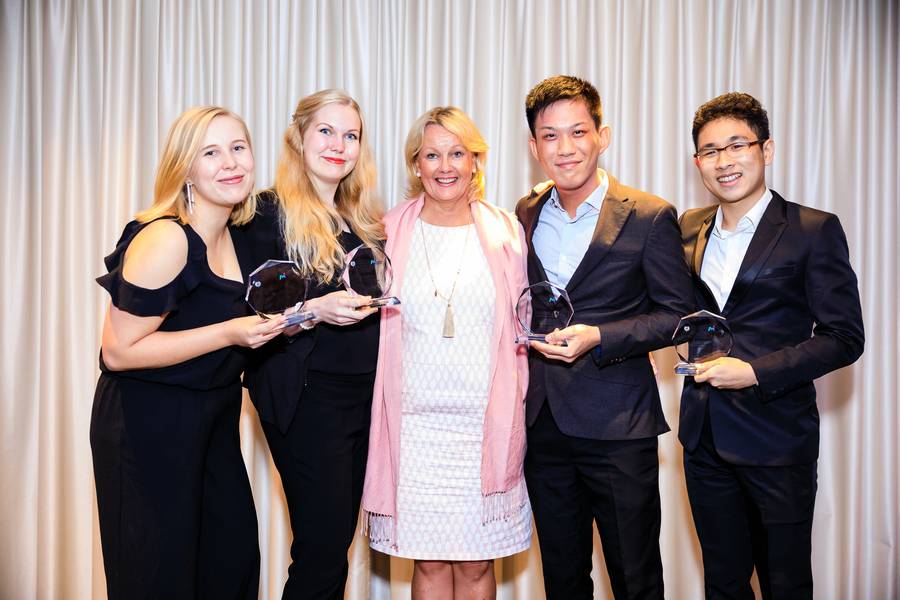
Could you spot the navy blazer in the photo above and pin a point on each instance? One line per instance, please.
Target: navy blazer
(633, 284)
(795, 314)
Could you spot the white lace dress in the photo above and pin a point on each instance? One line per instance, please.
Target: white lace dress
(445, 393)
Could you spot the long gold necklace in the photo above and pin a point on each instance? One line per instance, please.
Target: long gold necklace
(449, 330)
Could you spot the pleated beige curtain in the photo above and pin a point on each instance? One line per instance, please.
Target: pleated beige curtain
(89, 89)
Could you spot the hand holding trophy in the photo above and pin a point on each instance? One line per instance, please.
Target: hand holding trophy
(542, 308)
(276, 286)
(700, 337)
(368, 273)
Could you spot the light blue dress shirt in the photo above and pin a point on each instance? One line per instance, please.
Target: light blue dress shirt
(559, 240)
(726, 249)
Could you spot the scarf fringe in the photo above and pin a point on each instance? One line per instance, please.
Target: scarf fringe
(380, 528)
(501, 506)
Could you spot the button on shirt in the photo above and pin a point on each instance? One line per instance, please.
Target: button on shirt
(726, 249)
(559, 240)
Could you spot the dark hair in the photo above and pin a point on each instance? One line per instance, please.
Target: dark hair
(733, 105)
(562, 87)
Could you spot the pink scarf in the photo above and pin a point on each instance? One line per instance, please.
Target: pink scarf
(503, 445)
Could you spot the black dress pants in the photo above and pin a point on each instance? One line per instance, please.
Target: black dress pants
(322, 462)
(177, 519)
(573, 482)
(748, 515)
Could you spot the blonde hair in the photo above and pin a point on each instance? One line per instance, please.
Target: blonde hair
(459, 124)
(309, 226)
(181, 149)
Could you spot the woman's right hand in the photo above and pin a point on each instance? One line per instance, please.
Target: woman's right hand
(340, 308)
(253, 331)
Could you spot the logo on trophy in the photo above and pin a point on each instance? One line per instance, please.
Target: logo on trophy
(276, 286)
(368, 273)
(542, 308)
(701, 337)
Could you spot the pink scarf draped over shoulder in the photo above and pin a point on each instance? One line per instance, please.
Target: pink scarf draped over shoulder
(503, 444)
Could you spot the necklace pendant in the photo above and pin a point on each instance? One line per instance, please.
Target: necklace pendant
(449, 329)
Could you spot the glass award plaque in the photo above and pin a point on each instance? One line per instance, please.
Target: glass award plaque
(550, 308)
(368, 273)
(700, 337)
(276, 286)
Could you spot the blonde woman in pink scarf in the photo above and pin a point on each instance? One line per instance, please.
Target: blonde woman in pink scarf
(444, 483)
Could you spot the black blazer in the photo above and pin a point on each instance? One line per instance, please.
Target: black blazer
(631, 283)
(795, 314)
(276, 373)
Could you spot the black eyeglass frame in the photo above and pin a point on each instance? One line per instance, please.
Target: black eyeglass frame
(725, 149)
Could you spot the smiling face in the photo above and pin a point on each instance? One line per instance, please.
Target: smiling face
(734, 180)
(331, 144)
(223, 172)
(445, 167)
(567, 144)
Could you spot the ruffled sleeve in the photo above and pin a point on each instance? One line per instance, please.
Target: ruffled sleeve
(144, 302)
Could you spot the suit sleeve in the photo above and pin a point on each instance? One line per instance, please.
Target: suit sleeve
(669, 291)
(838, 334)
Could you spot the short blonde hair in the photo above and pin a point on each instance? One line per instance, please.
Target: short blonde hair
(311, 228)
(181, 149)
(459, 124)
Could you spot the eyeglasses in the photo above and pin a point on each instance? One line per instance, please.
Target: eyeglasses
(735, 150)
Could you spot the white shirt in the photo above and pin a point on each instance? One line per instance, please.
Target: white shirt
(559, 240)
(726, 249)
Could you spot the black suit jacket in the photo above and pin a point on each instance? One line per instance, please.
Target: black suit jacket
(795, 315)
(631, 283)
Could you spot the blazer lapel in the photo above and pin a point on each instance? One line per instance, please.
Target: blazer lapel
(697, 258)
(614, 212)
(530, 216)
(769, 231)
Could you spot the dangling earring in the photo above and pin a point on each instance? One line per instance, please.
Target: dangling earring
(190, 197)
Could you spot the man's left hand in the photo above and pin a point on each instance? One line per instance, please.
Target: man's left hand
(578, 338)
(726, 373)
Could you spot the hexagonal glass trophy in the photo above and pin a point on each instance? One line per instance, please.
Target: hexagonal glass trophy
(549, 308)
(368, 273)
(701, 337)
(276, 286)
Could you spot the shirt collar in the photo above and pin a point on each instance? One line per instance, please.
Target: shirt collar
(591, 203)
(749, 222)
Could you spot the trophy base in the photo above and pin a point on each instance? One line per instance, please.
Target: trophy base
(524, 339)
(690, 369)
(297, 318)
(379, 302)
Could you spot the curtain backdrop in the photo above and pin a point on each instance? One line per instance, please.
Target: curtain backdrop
(91, 87)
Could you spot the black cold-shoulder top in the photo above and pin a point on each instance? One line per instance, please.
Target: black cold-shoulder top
(195, 298)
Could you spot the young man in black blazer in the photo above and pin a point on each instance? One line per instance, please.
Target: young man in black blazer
(780, 274)
(592, 406)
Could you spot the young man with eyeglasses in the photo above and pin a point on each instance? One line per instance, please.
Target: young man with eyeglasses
(592, 407)
(780, 274)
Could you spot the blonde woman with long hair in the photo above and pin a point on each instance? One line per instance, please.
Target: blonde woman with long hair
(164, 428)
(313, 390)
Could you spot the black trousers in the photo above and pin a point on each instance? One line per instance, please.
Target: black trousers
(573, 482)
(746, 516)
(322, 462)
(176, 511)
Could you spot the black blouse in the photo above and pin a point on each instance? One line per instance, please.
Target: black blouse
(195, 298)
(278, 370)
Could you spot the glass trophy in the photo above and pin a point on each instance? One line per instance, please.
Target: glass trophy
(368, 273)
(276, 286)
(550, 308)
(700, 337)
